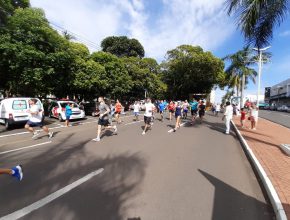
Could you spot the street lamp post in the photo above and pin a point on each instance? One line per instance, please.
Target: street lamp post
(260, 51)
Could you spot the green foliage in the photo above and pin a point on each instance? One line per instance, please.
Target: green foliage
(189, 69)
(122, 46)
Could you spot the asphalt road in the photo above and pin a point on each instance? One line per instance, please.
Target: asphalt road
(194, 173)
(282, 118)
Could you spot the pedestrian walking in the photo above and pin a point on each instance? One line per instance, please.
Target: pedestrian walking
(104, 111)
(68, 113)
(136, 108)
(253, 116)
(228, 115)
(149, 109)
(16, 171)
(36, 119)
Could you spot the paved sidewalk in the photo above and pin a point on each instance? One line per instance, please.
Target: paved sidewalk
(265, 142)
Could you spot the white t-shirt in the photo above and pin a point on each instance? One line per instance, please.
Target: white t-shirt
(35, 117)
(136, 107)
(229, 112)
(149, 107)
(254, 113)
(218, 107)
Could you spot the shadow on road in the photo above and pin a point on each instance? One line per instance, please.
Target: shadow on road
(230, 203)
(106, 196)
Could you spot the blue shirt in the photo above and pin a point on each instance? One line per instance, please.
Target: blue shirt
(162, 106)
(178, 111)
(68, 110)
(194, 105)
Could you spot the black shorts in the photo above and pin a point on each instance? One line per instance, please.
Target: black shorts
(176, 116)
(194, 112)
(172, 111)
(117, 112)
(147, 120)
(104, 122)
(201, 113)
(34, 124)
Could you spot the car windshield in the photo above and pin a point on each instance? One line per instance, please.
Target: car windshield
(64, 104)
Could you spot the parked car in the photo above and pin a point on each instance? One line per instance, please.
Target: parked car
(263, 105)
(90, 108)
(283, 108)
(57, 110)
(15, 111)
(273, 107)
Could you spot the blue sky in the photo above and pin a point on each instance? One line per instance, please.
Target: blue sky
(161, 25)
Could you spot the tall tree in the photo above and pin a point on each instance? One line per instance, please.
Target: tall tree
(189, 69)
(258, 18)
(123, 46)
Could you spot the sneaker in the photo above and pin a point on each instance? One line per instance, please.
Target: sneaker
(143, 133)
(18, 172)
(35, 134)
(50, 134)
(96, 139)
(174, 130)
(115, 129)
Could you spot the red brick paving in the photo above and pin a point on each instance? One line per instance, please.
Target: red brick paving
(265, 143)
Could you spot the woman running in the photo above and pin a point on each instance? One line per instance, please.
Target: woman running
(178, 113)
(171, 108)
(185, 107)
(118, 109)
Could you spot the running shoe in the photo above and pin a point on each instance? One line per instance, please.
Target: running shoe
(115, 129)
(96, 139)
(143, 133)
(35, 134)
(18, 172)
(50, 134)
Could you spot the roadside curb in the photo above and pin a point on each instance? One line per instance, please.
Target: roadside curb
(274, 198)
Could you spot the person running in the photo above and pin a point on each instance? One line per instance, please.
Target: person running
(68, 113)
(104, 111)
(136, 108)
(194, 108)
(178, 113)
(171, 108)
(149, 109)
(228, 115)
(185, 107)
(118, 110)
(201, 111)
(161, 107)
(253, 116)
(16, 171)
(217, 109)
(243, 117)
(36, 120)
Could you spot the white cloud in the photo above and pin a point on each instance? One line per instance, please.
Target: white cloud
(199, 22)
(285, 34)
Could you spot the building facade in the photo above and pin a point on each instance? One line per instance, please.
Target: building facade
(280, 94)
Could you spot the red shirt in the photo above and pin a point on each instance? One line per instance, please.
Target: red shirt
(243, 115)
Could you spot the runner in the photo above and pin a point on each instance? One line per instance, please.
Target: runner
(36, 119)
(178, 113)
(16, 171)
(162, 107)
(194, 107)
(201, 111)
(243, 117)
(68, 113)
(171, 108)
(185, 109)
(217, 109)
(136, 107)
(104, 111)
(253, 116)
(118, 110)
(228, 115)
(149, 109)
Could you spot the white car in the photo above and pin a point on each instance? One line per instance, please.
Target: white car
(15, 110)
(283, 108)
(57, 110)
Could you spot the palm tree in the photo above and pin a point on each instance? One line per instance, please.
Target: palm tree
(238, 72)
(258, 18)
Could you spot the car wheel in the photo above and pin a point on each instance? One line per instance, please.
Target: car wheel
(60, 118)
(7, 124)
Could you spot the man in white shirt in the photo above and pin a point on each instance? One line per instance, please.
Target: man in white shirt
(228, 115)
(35, 119)
(149, 108)
(136, 107)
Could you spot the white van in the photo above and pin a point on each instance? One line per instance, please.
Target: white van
(15, 111)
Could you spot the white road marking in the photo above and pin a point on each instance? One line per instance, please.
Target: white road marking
(42, 202)
(7, 135)
(181, 125)
(22, 148)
